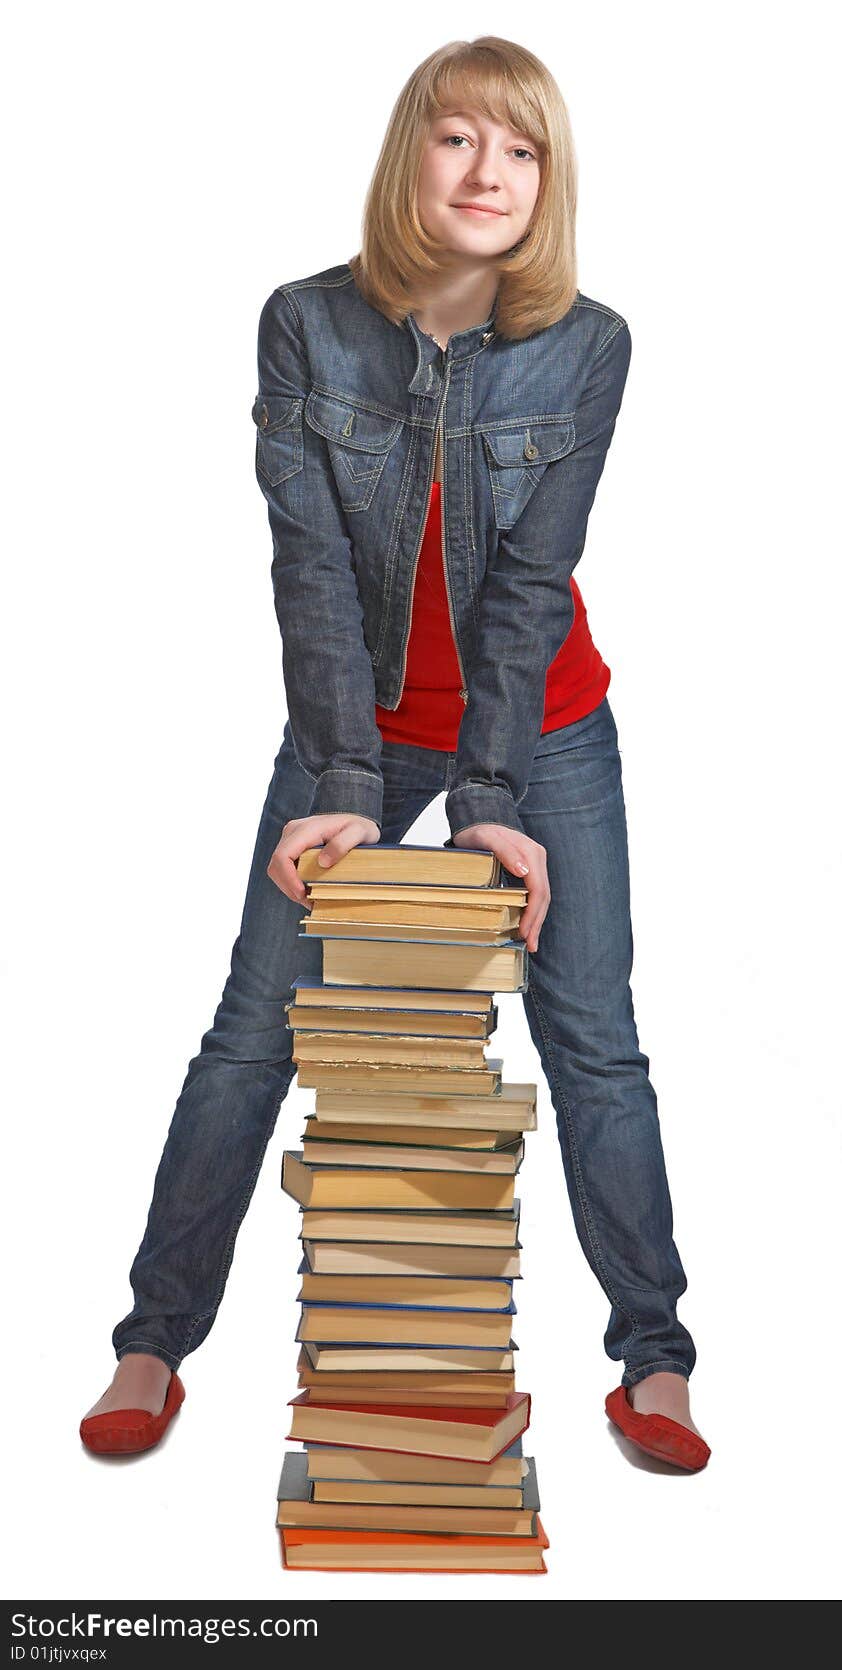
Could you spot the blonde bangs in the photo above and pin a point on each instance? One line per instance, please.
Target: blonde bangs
(398, 259)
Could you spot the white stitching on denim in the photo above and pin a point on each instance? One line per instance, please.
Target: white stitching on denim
(580, 1183)
(348, 771)
(316, 283)
(597, 307)
(386, 614)
(605, 343)
(154, 1348)
(468, 497)
(643, 1369)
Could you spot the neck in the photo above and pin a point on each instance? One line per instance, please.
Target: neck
(456, 303)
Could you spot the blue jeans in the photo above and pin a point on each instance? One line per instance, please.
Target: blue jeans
(580, 1015)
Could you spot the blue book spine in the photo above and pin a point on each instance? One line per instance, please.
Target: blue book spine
(377, 1304)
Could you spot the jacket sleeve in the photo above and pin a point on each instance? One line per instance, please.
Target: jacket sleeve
(327, 668)
(526, 608)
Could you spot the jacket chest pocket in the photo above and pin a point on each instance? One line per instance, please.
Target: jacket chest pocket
(517, 456)
(359, 442)
(280, 436)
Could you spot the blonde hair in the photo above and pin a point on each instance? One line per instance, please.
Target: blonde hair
(397, 259)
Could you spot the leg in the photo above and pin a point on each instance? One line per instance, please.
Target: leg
(580, 1014)
(234, 1087)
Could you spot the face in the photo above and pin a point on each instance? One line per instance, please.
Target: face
(478, 183)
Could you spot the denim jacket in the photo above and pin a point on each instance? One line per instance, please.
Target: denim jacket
(346, 415)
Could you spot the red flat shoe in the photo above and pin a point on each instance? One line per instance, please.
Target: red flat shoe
(658, 1435)
(125, 1431)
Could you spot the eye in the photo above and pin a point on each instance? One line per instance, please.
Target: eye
(525, 149)
(450, 136)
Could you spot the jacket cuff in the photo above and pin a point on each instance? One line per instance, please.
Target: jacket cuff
(480, 803)
(345, 789)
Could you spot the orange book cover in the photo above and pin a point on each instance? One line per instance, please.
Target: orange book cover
(425, 1412)
(313, 1536)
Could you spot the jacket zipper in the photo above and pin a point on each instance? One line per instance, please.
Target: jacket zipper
(463, 692)
(421, 541)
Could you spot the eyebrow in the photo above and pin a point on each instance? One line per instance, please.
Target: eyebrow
(468, 116)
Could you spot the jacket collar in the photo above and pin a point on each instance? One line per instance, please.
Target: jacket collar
(461, 345)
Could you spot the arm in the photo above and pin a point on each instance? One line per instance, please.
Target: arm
(327, 667)
(526, 609)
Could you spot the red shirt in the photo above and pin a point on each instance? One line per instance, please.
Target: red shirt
(430, 709)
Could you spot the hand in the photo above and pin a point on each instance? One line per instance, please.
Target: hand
(524, 858)
(340, 831)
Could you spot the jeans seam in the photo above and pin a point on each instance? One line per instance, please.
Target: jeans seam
(155, 1348)
(229, 1249)
(580, 1182)
(347, 771)
(659, 1363)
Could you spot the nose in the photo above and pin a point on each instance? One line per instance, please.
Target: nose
(484, 173)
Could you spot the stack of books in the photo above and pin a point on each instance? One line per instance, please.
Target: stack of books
(409, 1415)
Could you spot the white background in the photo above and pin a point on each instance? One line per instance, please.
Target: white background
(172, 165)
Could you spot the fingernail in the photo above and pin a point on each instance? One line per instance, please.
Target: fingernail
(323, 858)
(524, 868)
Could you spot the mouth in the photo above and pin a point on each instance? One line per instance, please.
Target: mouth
(476, 209)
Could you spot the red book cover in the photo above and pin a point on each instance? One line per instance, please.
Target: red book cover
(314, 1536)
(481, 1417)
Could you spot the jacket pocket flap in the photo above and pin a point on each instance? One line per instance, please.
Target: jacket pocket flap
(530, 443)
(352, 425)
(275, 411)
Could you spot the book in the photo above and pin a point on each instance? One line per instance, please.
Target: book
(523, 1493)
(509, 1106)
(312, 1548)
(312, 992)
(407, 863)
(442, 1081)
(382, 1392)
(452, 1292)
(431, 1226)
(499, 1162)
(442, 1023)
(373, 1324)
(383, 1358)
(396, 1509)
(367, 1187)
(417, 1136)
(332, 1461)
(455, 1385)
(372, 1258)
(493, 908)
(409, 1050)
(315, 926)
(419, 1429)
(386, 962)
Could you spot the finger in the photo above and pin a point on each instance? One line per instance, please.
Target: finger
(513, 860)
(282, 865)
(530, 926)
(536, 907)
(350, 835)
(282, 871)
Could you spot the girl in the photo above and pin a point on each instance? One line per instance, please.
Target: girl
(432, 421)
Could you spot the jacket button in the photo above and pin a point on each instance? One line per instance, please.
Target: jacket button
(530, 451)
(464, 695)
(487, 335)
